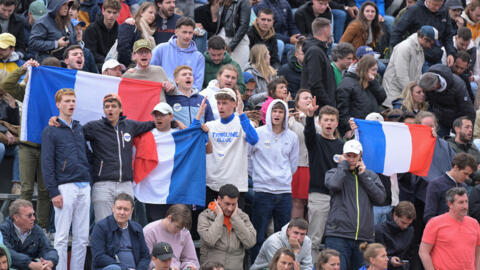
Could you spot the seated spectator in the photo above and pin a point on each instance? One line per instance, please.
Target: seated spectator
(186, 99)
(328, 259)
(118, 242)
(102, 34)
(49, 38)
(472, 18)
(28, 245)
(180, 50)
(112, 67)
(262, 32)
(36, 10)
(166, 21)
(212, 266)
(460, 68)
(455, 9)
(341, 9)
(174, 229)
(292, 70)
(375, 256)
(293, 236)
(413, 99)
(14, 24)
(5, 259)
(396, 234)
(233, 20)
(10, 60)
(447, 95)
(9, 135)
(408, 3)
(359, 93)
(227, 77)
(283, 259)
(305, 15)
(406, 63)
(342, 58)
(286, 31)
(162, 255)
(216, 57)
(463, 166)
(89, 65)
(250, 85)
(207, 16)
(462, 142)
(342, 233)
(357, 32)
(74, 10)
(277, 89)
(272, 178)
(259, 66)
(225, 230)
(144, 28)
(317, 73)
(142, 55)
(88, 11)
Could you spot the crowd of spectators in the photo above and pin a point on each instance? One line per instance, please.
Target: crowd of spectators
(274, 85)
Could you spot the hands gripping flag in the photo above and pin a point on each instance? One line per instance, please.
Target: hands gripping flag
(184, 165)
(390, 147)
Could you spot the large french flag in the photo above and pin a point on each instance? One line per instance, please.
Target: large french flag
(138, 97)
(390, 147)
(169, 167)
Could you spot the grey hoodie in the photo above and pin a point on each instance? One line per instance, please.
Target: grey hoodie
(275, 156)
(279, 240)
(45, 34)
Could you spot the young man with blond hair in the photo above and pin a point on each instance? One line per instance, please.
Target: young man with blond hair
(66, 173)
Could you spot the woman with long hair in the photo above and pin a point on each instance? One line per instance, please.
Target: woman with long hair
(52, 33)
(259, 66)
(359, 93)
(328, 259)
(413, 99)
(207, 16)
(144, 27)
(232, 25)
(365, 29)
(375, 256)
(283, 259)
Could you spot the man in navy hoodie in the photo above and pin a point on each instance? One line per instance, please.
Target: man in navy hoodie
(66, 174)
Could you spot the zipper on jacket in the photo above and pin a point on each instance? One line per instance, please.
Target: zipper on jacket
(119, 157)
(358, 206)
(123, 140)
(101, 167)
(64, 165)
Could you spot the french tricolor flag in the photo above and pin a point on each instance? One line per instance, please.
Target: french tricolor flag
(390, 147)
(138, 97)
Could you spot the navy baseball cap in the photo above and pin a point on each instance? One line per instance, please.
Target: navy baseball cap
(364, 50)
(430, 32)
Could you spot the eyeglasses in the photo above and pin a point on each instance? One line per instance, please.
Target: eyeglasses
(164, 24)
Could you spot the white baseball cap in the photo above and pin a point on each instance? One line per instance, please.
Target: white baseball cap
(111, 63)
(374, 116)
(352, 146)
(163, 107)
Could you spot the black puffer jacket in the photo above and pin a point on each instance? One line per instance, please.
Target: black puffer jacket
(112, 147)
(451, 103)
(235, 19)
(317, 73)
(292, 71)
(353, 101)
(304, 17)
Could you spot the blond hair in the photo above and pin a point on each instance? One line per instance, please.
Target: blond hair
(259, 61)
(407, 97)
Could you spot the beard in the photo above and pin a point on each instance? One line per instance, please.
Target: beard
(465, 138)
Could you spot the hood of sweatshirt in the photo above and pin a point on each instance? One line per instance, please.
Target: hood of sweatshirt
(470, 45)
(227, 59)
(268, 118)
(312, 42)
(54, 5)
(467, 18)
(190, 49)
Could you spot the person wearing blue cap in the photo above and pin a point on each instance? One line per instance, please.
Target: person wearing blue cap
(406, 63)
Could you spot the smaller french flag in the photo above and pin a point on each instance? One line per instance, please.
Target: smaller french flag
(390, 147)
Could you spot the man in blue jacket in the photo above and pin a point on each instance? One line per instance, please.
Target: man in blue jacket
(66, 174)
(26, 241)
(118, 243)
